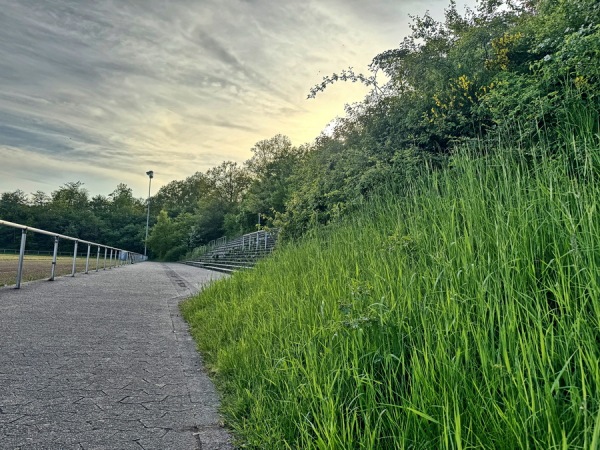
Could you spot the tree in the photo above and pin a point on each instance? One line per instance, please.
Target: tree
(39, 199)
(124, 218)
(178, 197)
(13, 208)
(71, 195)
(170, 238)
(271, 168)
(227, 182)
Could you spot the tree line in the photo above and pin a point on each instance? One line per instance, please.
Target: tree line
(118, 219)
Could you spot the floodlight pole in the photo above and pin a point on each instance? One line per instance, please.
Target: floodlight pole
(150, 174)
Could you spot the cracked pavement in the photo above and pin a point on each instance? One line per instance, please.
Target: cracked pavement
(104, 361)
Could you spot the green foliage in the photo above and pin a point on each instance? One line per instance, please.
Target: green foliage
(463, 315)
(505, 64)
(71, 195)
(117, 220)
(178, 197)
(271, 168)
(207, 203)
(169, 238)
(544, 60)
(13, 205)
(210, 220)
(227, 182)
(228, 199)
(431, 101)
(458, 309)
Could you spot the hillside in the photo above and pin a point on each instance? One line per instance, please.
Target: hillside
(465, 314)
(438, 282)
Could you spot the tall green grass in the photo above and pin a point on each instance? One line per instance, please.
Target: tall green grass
(464, 315)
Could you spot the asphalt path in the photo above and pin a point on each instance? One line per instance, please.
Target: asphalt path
(104, 361)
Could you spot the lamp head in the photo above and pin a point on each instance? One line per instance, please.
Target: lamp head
(150, 173)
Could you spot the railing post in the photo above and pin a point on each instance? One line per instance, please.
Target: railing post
(74, 259)
(122, 257)
(21, 258)
(54, 256)
(87, 259)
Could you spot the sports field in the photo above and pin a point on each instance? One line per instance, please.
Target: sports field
(38, 267)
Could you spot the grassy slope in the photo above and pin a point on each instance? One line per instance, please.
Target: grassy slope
(466, 315)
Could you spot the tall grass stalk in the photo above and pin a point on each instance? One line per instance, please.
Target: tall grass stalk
(465, 315)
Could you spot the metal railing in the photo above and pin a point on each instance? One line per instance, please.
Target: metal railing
(239, 253)
(120, 256)
(258, 240)
(14, 251)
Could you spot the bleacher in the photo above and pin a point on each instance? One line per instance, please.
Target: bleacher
(237, 254)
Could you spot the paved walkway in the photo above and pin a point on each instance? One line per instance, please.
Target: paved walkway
(104, 361)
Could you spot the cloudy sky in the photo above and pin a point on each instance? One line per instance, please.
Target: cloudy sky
(100, 91)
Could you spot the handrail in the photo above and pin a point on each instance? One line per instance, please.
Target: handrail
(261, 239)
(120, 255)
(237, 254)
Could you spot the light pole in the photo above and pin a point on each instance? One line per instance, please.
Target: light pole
(150, 174)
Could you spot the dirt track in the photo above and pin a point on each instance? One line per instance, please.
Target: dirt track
(38, 267)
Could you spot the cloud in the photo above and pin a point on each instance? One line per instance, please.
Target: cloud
(112, 89)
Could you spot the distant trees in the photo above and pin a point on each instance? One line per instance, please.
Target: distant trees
(271, 169)
(226, 200)
(14, 205)
(117, 220)
(178, 197)
(14, 208)
(194, 211)
(169, 239)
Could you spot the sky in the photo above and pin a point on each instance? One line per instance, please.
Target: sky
(101, 91)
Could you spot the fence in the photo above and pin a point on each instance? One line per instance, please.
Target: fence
(261, 239)
(120, 256)
(240, 253)
(12, 251)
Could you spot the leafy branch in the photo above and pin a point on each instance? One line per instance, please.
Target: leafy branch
(346, 75)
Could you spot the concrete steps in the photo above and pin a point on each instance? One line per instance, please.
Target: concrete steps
(238, 254)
